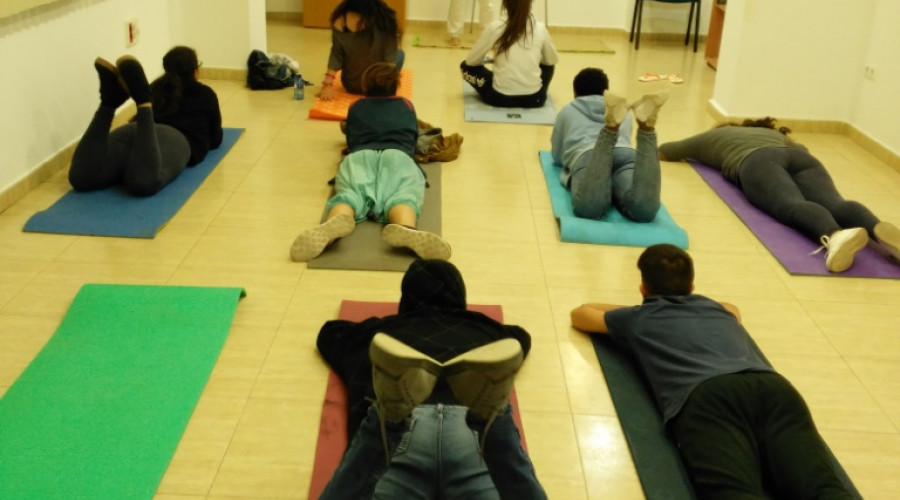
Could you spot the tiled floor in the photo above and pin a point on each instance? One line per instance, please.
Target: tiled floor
(253, 433)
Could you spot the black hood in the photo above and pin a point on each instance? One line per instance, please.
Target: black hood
(432, 283)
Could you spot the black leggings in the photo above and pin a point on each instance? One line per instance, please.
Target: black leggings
(142, 156)
(482, 80)
(793, 186)
(750, 436)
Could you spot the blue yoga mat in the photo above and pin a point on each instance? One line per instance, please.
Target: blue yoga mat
(475, 110)
(614, 228)
(113, 212)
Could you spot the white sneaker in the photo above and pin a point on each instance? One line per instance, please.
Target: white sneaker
(887, 238)
(616, 109)
(841, 247)
(313, 241)
(426, 245)
(647, 107)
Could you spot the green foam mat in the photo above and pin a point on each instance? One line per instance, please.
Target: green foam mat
(100, 410)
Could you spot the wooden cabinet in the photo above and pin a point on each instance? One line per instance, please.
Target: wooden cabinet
(714, 36)
(317, 12)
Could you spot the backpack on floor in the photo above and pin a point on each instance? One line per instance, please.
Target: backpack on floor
(264, 74)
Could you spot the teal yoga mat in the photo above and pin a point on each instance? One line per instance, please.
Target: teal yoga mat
(656, 458)
(614, 228)
(100, 410)
(113, 212)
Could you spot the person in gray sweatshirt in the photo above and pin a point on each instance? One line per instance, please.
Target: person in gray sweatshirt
(591, 140)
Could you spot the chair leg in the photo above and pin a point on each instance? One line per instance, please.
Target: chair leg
(472, 21)
(640, 17)
(687, 36)
(697, 24)
(634, 20)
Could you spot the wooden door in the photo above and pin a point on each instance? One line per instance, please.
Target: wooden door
(317, 12)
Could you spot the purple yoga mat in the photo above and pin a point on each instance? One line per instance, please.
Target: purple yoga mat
(790, 247)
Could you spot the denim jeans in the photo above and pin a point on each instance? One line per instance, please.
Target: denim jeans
(434, 454)
(608, 175)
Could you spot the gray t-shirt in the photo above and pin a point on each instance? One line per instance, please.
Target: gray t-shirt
(681, 341)
(725, 148)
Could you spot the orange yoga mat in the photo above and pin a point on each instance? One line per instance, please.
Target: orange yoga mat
(333, 426)
(337, 108)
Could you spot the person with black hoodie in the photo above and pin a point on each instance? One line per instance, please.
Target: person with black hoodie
(433, 360)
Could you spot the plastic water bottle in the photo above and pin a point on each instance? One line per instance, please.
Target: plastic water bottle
(298, 88)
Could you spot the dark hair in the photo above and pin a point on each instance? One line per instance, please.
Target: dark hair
(518, 22)
(767, 122)
(590, 81)
(179, 64)
(380, 80)
(666, 270)
(373, 13)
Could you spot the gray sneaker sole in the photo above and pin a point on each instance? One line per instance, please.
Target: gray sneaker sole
(312, 242)
(888, 239)
(842, 260)
(426, 245)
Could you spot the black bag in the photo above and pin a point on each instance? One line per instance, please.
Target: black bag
(263, 74)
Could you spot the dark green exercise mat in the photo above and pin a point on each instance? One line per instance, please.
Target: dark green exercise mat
(655, 456)
(100, 410)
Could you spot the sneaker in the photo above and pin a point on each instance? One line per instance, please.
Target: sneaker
(482, 379)
(647, 107)
(887, 237)
(454, 41)
(841, 247)
(616, 109)
(312, 242)
(426, 245)
(113, 92)
(402, 376)
(135, 79)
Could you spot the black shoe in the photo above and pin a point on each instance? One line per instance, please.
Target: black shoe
(132, 73)
(112, 89)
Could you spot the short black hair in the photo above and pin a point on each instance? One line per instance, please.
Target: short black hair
(590, 81)
(666, 270)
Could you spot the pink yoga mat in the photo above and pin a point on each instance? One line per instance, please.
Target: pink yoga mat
(790, 247)
(333, 425)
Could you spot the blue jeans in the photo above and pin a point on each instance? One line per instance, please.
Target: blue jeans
(626, 177)
(435, 454)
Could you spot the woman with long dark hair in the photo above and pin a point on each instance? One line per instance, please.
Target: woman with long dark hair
(524, 59)
(781, 178)
(363, 32)
(178, 121)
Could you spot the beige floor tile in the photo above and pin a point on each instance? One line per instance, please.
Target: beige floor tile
(605, 458)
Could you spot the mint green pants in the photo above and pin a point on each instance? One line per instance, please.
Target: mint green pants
(372, 182)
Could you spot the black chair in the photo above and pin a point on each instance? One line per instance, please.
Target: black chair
(639, 10)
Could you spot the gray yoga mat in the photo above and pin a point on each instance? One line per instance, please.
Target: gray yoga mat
(475, 110)
(363, 249)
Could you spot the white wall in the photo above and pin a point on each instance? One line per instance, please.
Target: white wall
(876, 109)
(229, 30)
(804, 59)
(49, 82)
(658, 17)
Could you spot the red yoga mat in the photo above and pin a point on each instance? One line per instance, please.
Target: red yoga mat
(333, 425)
